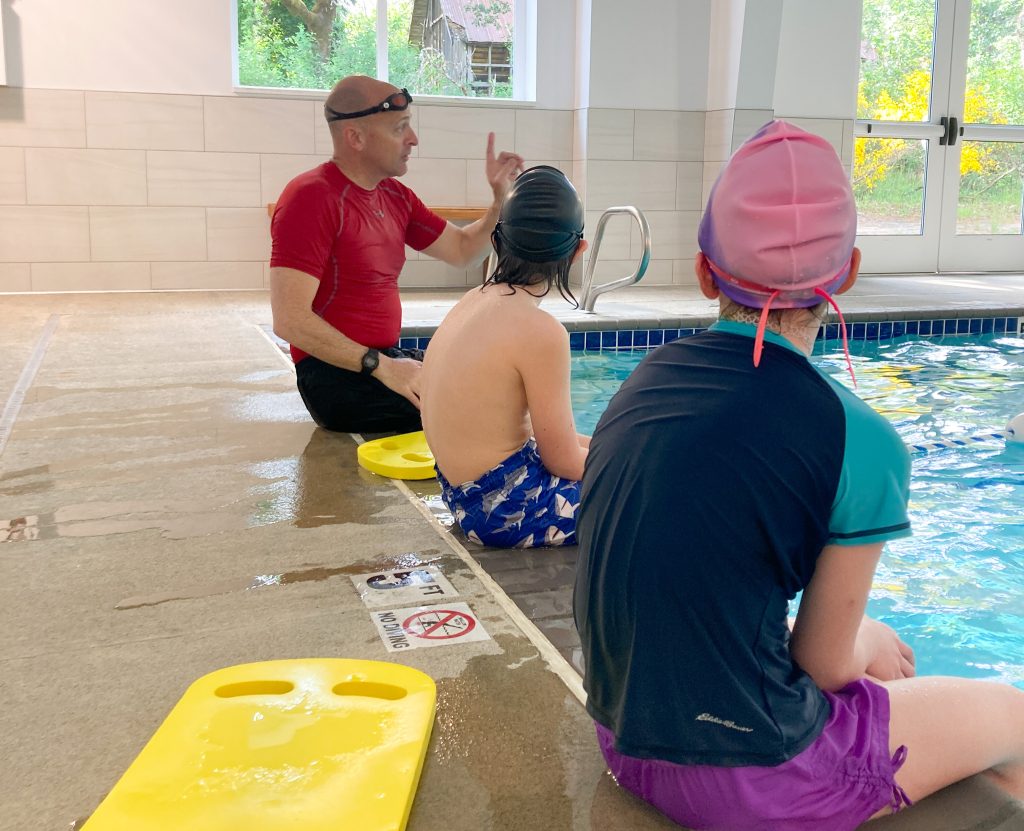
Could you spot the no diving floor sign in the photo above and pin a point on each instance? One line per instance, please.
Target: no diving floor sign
(424, 626)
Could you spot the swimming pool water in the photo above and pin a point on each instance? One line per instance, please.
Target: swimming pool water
(955, 590)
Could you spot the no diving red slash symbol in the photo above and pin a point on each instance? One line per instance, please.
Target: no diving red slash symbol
(438, 624)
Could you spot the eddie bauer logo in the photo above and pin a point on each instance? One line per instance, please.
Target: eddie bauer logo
(732, 725)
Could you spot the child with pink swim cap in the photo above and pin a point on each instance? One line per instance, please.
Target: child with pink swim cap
(777, 233)
(727, 475)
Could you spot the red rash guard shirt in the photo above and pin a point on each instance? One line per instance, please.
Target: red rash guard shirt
(353, 241)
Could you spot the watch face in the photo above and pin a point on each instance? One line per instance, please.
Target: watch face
(370, 361)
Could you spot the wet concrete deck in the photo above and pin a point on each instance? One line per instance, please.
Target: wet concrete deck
(188, 517)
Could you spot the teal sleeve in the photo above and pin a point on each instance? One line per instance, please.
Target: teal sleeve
(874, 487)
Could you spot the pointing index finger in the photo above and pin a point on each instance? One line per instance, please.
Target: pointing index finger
(490, 146)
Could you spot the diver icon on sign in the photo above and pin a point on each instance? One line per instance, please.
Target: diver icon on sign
(399, 579)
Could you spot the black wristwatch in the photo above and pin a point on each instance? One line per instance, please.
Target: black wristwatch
(370, 361)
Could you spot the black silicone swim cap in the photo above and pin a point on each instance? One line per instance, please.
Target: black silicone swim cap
(541, 219)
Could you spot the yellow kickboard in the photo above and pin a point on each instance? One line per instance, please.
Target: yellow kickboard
(303, 745)
(399, 457)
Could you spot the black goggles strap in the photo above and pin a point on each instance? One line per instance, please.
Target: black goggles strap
(384, 106)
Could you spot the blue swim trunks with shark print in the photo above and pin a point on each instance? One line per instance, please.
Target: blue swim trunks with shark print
(516, 504)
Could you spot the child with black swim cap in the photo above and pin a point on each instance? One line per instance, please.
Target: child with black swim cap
(495, 390)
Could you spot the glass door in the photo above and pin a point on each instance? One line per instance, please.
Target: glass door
(939, 150)
(983, 183)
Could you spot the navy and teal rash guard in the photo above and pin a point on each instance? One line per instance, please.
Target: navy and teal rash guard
(710, 489)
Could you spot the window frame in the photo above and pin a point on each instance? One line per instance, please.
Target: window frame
(524, 63)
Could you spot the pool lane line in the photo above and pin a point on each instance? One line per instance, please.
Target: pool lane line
(28, 375)
(927, 447)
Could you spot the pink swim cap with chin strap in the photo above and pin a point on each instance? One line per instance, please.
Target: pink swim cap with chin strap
(780, 224)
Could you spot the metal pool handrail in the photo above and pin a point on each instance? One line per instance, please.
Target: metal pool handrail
(590, 292)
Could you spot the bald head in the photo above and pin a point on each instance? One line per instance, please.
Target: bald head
(376, 146)
(358, 92)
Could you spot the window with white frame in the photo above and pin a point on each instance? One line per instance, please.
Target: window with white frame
(462, 48)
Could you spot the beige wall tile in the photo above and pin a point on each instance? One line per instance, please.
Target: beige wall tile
(211, 179)
(323, 145)
(673, 234)
(711, 171)
(848, 142)
(580, 121)
(461, 132)
(718, 126)
(615, 241)
(41, 118)
(238, 234)
(544, 134)
(131, 234)
(438, 182)
(12, 176)
(277, 170)
(433, 273)
(31, 234)
(478, 189)
(746, 123)
(266, 275)
(258, 125)
(579, 178)
(144, 122)
(15, 277)
(58, 176)
(659, 273)
(610, 134)
(668, 135)
(90, 277)
(830, 129)
(683, 273)
(201, 275)
(689, 186)
(650, 186)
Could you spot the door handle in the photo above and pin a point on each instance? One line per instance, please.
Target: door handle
(944, 123)
(954, 131)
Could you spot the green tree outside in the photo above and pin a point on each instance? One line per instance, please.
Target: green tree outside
(276, 48)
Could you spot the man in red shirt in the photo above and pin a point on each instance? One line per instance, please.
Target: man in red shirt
(339, 235)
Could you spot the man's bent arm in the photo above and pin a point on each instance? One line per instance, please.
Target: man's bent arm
(467, 245)
(291, 301)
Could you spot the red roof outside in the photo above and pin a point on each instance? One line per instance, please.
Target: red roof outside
(497, 32)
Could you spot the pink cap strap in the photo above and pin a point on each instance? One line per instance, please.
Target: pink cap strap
(842, 329)
(762, 323)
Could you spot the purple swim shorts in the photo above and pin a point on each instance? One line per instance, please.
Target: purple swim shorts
(842, 779)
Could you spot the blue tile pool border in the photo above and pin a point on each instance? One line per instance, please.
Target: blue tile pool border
(628, 339)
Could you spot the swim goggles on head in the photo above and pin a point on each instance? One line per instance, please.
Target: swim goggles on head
(396, 101)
